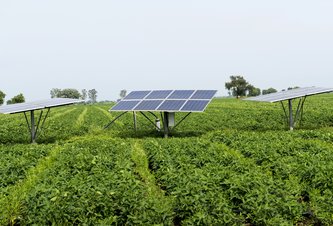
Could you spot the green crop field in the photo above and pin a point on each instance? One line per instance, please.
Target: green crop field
(234, 164)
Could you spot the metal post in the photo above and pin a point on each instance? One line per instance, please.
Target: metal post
(39, 119)
(285, 112)
(42, 126)
(26, 119)
(302, 107)
(110, 123)
(291, 120)
(32, 117)
(135, 124)
(152, 122)
(166, 124)
(181, 121)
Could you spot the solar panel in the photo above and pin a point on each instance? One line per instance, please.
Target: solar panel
(171, 105)
(290, 94)
(181, 94)
(195, 105)
(204, 94)
(137, 95)
(166, 100)
(17, 108)
(125, 105)
(159, 94)
(36, 105)
(148, 105)
(59, 102)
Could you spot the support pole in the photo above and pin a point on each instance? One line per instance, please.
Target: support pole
(135, 123)
(152, 122)
(302, 107)
(32, 117)
(188, 114)
(39, 119)
(285, 112)
(26, 119)
(42, 126)
(162, 118)
(291, 120)
(298, 110)
(110, 123)
(166, 124)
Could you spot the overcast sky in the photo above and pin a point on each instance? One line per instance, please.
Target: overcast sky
(153, 44)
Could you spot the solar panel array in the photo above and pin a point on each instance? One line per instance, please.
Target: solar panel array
(290, 94)
(36, 105)
(166, 100)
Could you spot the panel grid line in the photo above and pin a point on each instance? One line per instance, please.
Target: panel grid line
(188, 100)
(166, 103)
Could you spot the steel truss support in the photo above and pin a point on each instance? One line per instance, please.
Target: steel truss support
(153, 123)
(164, 118)
(292, 119)
(188, 114)
(32, 127)
(166, 124)
(134, 120)
(115, 119)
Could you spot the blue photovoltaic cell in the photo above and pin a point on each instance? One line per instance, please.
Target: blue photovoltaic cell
(125, 106)
(148, 105)
(165, 100)
(204, 94)
(136, 95)
(159, 94)
(181, 94)
(195, 105)
(171, 105)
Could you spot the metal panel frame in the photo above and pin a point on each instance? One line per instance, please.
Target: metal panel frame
(34, 126)
(290, 95)
(163, 101)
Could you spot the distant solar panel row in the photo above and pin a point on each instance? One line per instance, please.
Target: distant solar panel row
(36, 105)
(166, 100)
(291, 94)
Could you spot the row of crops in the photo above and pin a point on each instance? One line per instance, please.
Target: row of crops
(232, 165)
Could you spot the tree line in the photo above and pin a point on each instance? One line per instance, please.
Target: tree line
(238, 87)
(75, 94)
(56, 93)
(16, 99)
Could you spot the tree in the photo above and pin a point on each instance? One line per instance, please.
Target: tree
(123, 93)
(253, 91)
(238, 86)
(295, 87)
(2, 97)
(268, 91)
(55, 92)
(17, 99)
(65, 93)
(92, 95)
(70, 93)
(84, 94)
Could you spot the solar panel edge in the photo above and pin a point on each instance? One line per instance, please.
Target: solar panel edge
(289, 94)
(35, 105)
